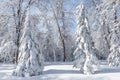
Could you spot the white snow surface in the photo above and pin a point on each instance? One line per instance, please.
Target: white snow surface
(62, 71)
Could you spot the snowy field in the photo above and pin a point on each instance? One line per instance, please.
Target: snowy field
(62, 71)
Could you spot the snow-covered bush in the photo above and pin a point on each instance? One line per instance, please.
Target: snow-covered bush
(8, 51)
(114, 57)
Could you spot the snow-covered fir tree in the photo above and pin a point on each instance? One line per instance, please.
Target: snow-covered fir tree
(85, 58)
(98, 30)
(30, 60)
(114, 37)
(79, 50)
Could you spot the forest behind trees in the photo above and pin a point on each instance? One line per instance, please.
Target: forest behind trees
(84, 32)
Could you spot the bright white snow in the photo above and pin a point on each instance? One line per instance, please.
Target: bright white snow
(62, 71)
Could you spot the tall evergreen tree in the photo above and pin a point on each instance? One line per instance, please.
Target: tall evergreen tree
(30, 60)
(85, 58)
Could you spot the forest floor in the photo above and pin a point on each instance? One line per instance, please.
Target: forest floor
(62, 71)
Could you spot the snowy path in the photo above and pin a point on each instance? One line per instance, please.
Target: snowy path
(62, 71)
(5, 70)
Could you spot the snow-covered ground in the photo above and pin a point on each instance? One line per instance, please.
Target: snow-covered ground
(62, 71)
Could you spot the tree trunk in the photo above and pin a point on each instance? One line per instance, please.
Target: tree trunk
(60, 33)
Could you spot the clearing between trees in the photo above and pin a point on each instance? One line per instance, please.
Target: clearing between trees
(62, 71)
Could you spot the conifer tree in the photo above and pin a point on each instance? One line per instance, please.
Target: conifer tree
(30, 59)
(85, 58)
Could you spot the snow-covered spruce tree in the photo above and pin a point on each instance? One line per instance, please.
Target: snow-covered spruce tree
(78, 62)
(30, 60)
(114, 24)
(85, 58)
(98, 29)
